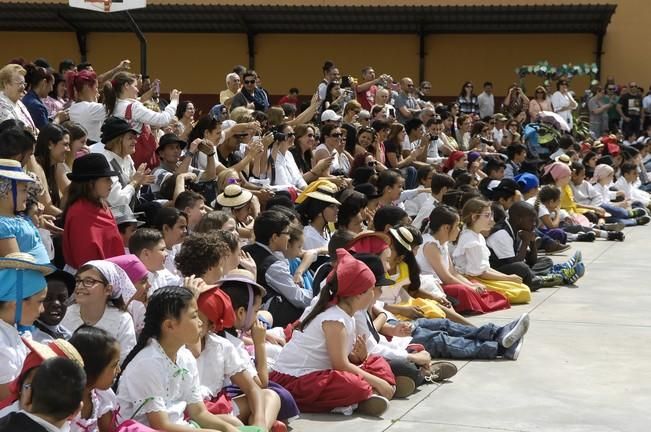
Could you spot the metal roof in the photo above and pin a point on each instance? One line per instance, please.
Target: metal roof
(216, 18)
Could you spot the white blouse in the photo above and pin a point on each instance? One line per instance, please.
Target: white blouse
(471, 256)
(91, 116)
(104, 401)
(142, 115)
(307, 352)
(218, 362)
(312, 239)
(423, 262)
(287, 172)
(152, 382)
(117, 323)
(12, 353)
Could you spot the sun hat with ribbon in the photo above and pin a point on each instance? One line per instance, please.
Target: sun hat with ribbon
(325, 186)
(38, 353)
(403, 236)
(234, 196)
(20, 278)
(11, 172)
(246, 278)
(325, 192)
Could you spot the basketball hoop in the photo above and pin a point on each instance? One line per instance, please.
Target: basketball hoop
(107, 6)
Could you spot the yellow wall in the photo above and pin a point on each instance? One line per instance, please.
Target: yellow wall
(197, 63)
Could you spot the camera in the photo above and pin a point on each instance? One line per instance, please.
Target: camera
(279, 136)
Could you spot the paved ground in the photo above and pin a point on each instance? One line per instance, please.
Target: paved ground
(584, 365)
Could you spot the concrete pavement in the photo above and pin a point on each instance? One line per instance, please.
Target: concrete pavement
(584, 365)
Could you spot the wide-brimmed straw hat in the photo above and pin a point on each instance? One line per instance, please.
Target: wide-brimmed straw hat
(234, 196)
(12, 170)
(24, 261)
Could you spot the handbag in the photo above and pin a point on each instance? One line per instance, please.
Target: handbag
(146, 144)
(131, 425)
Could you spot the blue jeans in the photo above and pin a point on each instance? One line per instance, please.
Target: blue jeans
(443, 338)
(411, 177)
(618, 214)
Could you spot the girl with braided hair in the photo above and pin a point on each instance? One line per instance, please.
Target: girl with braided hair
(160, 381)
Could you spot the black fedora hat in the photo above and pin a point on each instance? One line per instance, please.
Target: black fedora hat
(89, 167)
(170, 138)
(114, 127)
(369, 190)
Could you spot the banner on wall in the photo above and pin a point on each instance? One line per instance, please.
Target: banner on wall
(108, 5)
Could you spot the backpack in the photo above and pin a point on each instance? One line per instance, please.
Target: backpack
(145, 145)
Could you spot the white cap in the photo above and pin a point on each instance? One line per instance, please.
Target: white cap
(329, 115)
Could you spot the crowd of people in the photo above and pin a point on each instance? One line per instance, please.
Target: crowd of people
(166, 269)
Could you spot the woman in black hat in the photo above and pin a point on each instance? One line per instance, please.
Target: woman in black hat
(90, 231)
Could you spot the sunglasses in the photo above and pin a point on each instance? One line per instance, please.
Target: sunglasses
(290, 134)
(410, 85)
(426, 88)
(336, 135)
(241, 135)
(249, 81)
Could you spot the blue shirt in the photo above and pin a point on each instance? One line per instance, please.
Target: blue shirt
(36, 108)
(26, 235)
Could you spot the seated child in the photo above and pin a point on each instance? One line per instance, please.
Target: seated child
(48, 326)
(318, 365)
(160, 381)
(56, 395)
(472, 257)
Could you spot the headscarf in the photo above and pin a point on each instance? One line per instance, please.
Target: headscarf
(353, 276)
(452, 159)
(372, 242)
(602, 171)
(116, 277)
(557, 170)
(216, 305)
(133, 267)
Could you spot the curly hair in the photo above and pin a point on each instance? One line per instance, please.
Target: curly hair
(200, 252)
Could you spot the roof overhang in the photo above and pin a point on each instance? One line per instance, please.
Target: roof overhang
(157, 18)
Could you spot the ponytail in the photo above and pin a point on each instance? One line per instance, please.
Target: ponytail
(112, 89)
(166, 303)
(412, 266)
(75, 82)
(327, 294)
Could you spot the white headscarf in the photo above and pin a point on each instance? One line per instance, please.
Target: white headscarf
(116, 277)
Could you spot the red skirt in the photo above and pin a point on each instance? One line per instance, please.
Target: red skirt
(323, 391)
(220, 404)
(470, 301)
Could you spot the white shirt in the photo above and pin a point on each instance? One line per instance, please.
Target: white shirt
(501, 243)
(631, 192)
(91, 116)
(560, 101)
(307, 352)
(312, 239)
(121, 195)
(104, 401)
(12, 353)
(604, 190)
(217, 363)
(160, 279)
(471, 256)
(413, 205)
(394, 350)
(287, 172)
(152, 374)
(117, 323)
(646, 104)
(170, 265)
(142, 115)
(498, 135)
(424, 211)
(425, 267)
(486, 104)
(586, 194)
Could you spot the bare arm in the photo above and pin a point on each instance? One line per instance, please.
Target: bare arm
(124, 65)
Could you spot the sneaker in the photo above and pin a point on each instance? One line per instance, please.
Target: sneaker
(441, 371)
(374, 406)
(615, 227)
(586, 237)
(404, 387)
(514, 331)
(573, 274)
(642, 220)
(616, 236)
(514, 351)
(546, 281)
(638, 212)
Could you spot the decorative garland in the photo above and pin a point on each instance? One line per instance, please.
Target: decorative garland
(550, 72)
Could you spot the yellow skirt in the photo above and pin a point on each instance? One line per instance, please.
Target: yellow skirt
(516, 293)
(431, 308)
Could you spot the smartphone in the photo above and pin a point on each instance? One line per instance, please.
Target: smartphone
(156, 87)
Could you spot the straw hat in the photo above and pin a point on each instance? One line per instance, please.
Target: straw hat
(24, 261)
(403, 236)
(12, 170)
(234, 196)
(244, 276)
(325, 192)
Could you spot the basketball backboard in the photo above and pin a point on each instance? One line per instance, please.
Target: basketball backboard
(108, 5)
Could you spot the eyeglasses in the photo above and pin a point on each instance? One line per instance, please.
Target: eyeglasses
(88, 282)
(469, 86)
(249, 81)
(20, 83)
(611, 88)
(487, 215)
(336, 135)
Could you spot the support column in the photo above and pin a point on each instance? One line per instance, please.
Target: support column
(421, 58)
(599, 54)
(143, 44)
